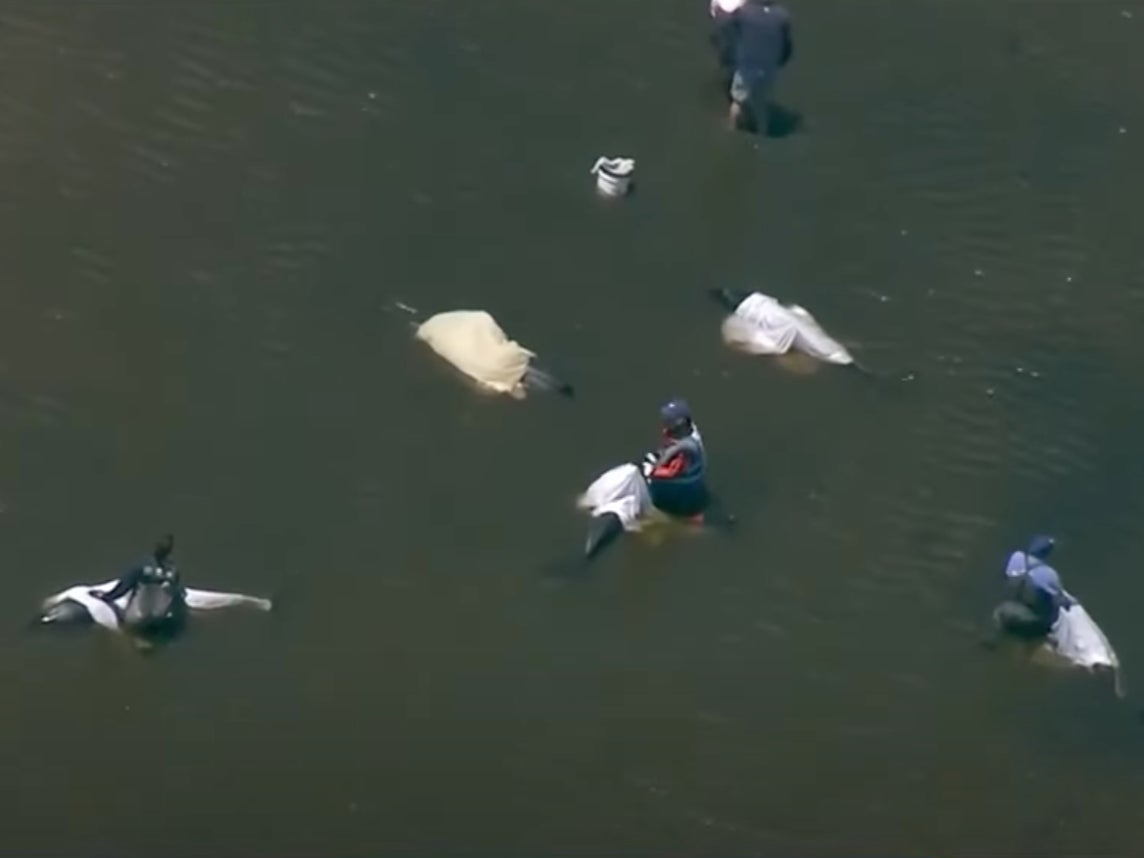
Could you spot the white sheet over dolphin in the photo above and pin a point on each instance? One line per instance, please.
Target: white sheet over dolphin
(761, 325)
(473, 342)
(72, 603)
(618, 501)
(622, 492)
(1078, 640)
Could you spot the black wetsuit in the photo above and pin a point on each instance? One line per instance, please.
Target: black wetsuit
(156, 597)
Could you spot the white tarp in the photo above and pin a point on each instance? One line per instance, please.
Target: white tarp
(474, 343)
(103, 614)
(761, 325)
(1077, 638)
(622, 491)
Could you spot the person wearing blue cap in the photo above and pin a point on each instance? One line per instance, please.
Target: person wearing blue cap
(1034, 594)
(676, 470)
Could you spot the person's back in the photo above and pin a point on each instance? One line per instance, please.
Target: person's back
(154, 592)
(1035, 595)
(156, 599)
(763, 41)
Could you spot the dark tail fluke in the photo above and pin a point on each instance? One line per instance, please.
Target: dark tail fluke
(413, 313)
(729, 299)
(539, 378)
(603, 530)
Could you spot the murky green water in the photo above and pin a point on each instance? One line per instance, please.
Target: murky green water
(207, 209)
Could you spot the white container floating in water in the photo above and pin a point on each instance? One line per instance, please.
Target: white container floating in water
(613, 175)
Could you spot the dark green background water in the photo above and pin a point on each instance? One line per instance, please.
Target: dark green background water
(206, 209)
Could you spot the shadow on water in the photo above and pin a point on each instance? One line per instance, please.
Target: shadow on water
(783, 121)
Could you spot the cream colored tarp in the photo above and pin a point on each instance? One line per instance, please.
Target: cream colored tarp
(474, 343)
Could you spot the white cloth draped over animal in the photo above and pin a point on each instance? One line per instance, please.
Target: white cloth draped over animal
(761, 325)
(1077, 639)
(474, 343)
(107, 616)
(621, 491)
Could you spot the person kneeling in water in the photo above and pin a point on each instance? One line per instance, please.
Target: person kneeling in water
(676, 470)
(1034, 597)
(156, 601)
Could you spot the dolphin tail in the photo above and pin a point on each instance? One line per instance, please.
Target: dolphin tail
(729, 299)
(603, 530)
(539, 378)
(1118, 684)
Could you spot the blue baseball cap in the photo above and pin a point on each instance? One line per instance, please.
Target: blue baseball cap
(674, 411)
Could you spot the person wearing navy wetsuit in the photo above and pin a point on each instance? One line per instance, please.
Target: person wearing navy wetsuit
(676, 471)
(1034, 594)
(156, 600)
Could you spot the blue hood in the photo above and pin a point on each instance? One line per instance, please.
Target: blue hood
(1040, 546)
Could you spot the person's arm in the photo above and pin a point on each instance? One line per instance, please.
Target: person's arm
(1063, 600)
(670, 461)
(670, 452)
(124, 586)
(723, 39)
(1055, 589)
(658, 463)
(670, 469)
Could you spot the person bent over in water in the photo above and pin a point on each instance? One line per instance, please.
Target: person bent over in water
(676, 470)
(155, 597)
(1034, 595)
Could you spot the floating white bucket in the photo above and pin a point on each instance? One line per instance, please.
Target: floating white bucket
(613, 175)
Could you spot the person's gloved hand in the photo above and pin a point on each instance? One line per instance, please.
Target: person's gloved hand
(647, 463)
(96, 594)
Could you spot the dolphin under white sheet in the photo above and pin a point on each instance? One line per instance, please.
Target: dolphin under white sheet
(621, 491)
(761, 325)
(474, 343)
(1077, 638)
(103, 614)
